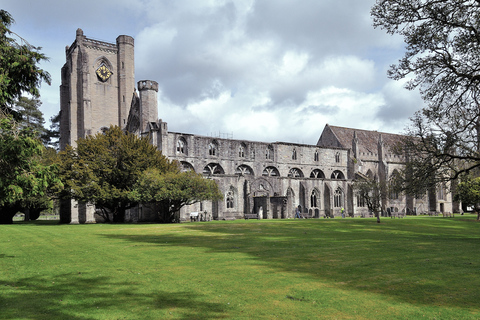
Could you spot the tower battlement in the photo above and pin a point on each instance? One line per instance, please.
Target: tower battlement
(147, 85)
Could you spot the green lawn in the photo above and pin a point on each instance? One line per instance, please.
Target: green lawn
(412, 268)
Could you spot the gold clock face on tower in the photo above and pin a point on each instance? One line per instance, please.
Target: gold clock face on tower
(103, 73)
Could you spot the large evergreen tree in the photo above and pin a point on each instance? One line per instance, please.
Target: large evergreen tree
(19, 66)
(25, 181)
(51, 137)
(30, 114)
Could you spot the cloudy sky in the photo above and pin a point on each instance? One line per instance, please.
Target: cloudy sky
(263, 70)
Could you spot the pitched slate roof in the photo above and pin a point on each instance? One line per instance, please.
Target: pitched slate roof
(341, 137)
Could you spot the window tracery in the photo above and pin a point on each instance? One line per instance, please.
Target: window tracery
(295, 173)
(269, 153)
(337, 175)
(213, 148)
(241, 151)
(360, 201)
(230, 199)
(317, 174)
(181, 146)
(338, 198)
(270, 172)
(314, 198)
(244, 170)
(212, 169)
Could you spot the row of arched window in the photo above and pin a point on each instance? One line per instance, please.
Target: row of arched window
(271, 171)
(269, 151)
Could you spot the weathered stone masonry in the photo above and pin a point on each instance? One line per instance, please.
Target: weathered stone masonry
(272, 179)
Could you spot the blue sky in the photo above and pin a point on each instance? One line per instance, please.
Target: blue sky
(255, 69)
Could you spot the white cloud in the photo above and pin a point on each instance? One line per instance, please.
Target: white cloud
(264, 70)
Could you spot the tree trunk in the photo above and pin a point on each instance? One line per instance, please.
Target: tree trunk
(35, 213)
(165, 214)
(7, 214)
(377, 215)
(6, 218)
(119, 215)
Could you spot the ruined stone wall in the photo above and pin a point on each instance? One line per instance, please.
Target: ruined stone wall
(249, 171)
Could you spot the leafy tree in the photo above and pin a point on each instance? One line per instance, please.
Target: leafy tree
(25, 182)
(19, 71)
(103, 170)
(24, 179)
(174, 190)
(442, 60)
(372, 192)
(468, 191)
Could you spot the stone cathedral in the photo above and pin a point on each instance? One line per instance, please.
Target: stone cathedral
(270, 179)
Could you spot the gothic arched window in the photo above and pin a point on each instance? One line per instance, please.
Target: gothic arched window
(212, 148)
(241, 151)
(270, 172)
(230, 198)
(212, 169)
(181, 146)
(360, 201)
(338, 198)
(186, 166)
(269, 153)
(244, 170)
(314, 198)
(317, 174)
(295, 173)
(337, 175)
(442, 190)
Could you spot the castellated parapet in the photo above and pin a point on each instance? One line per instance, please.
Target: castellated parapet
(147, 85)
(123, 39)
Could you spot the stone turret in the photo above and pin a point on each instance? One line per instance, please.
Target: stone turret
(148, 102)
(126, 76)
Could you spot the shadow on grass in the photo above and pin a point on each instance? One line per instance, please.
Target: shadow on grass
(80, 297)
(429, 262)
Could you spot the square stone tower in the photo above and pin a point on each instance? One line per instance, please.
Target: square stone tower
(98, 81)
